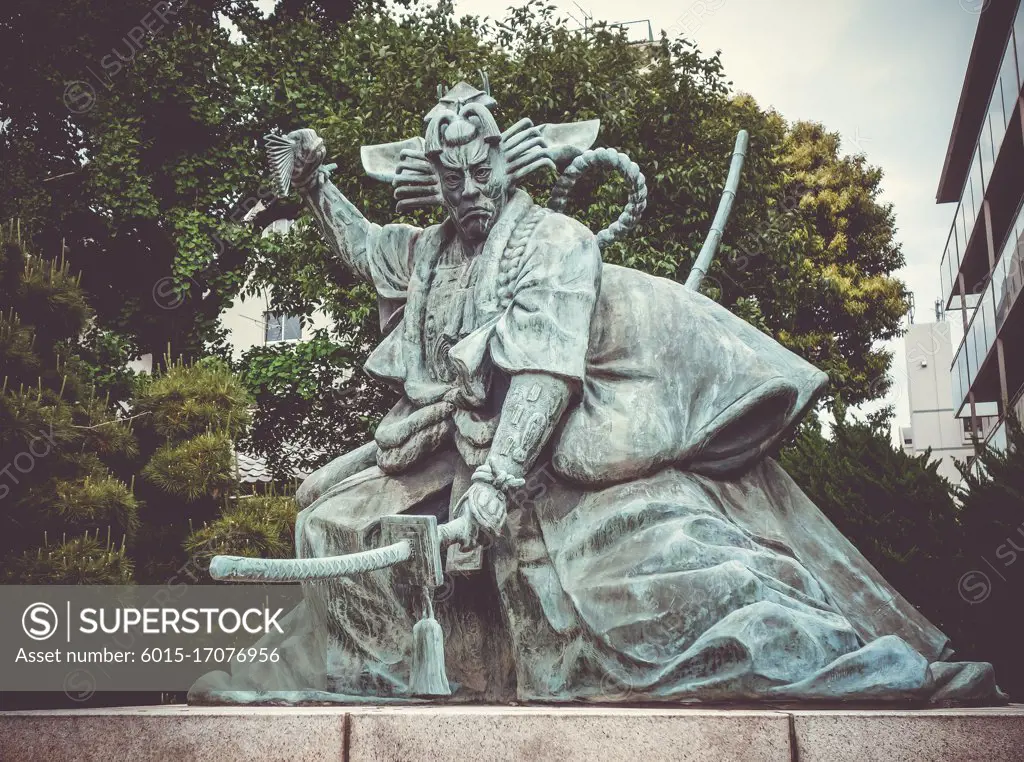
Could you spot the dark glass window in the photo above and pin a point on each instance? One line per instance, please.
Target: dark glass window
(978, 187)
(987, 149)
(1018, 33)
(1007, 86)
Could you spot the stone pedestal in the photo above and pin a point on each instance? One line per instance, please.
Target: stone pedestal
(466, 734)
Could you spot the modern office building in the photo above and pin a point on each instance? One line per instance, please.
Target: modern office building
(982, 271)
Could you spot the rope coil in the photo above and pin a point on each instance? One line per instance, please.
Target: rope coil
(605, 157)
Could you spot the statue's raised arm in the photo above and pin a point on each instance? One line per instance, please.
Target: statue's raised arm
(296, 161)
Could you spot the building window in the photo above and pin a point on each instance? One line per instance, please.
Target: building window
(970, 433)
(281, 327)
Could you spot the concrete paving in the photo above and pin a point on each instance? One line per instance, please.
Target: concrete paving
(492, 733)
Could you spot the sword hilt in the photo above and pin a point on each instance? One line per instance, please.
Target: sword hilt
(243, 569)
(456, 531)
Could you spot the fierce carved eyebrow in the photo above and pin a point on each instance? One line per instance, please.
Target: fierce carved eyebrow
(459, 167)
(462, 155)
(479, 156)
(447, 164)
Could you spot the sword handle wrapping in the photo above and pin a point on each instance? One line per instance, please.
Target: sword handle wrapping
(411, 538)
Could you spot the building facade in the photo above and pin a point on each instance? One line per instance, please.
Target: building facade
(929, 388)
(981, 271)
(252, 322)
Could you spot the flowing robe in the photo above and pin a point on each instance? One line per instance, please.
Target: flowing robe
(655, 552)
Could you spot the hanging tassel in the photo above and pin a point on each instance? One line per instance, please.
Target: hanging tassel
(428, 675)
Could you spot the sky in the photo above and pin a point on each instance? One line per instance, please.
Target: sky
(884, 74)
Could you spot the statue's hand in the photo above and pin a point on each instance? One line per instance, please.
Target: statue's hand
(310, 153)
(487, 507)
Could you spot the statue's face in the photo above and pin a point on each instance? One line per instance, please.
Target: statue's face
(474, 187)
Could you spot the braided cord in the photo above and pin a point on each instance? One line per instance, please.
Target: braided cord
(607, 157)
(512, 257)
(242, 569)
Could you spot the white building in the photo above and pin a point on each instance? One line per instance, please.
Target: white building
(251, 322)
(933, 421)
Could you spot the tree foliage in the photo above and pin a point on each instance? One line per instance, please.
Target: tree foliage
(64, 515)
(254, 525)
(187, 421)
(310, 405)
(988, 575)
(93, 493)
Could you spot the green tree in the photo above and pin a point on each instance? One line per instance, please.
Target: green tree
(251, 525)
(187, 421)
(310, 404)
(988, 574)
(128, 129)
(124, 141)
(65, 517)
(92, 496)
(841, 298)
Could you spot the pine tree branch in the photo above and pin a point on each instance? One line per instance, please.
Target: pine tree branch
(115, 420)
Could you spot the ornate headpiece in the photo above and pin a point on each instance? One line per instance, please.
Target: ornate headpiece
(461, 115)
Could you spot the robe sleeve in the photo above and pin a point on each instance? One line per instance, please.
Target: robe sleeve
(674, 379)
(546, 327)
(388, 265)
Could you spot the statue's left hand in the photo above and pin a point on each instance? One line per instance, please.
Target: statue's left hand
(487, 507)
